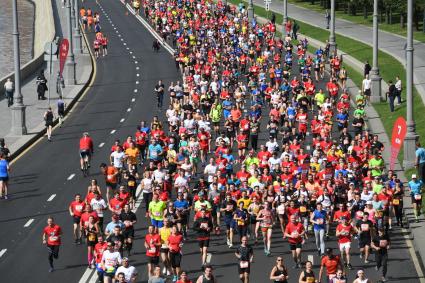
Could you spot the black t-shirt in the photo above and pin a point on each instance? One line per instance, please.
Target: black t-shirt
(245, 252)
(365, 228)
(382, 242)
(231, 205)
(128, 216)
(159, 88)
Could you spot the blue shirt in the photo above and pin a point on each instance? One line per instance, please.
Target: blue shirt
(154, 151)
(3, 168)
(181, 204)
(319, 215)
(415, 187)
(420, 153)
(111, 225)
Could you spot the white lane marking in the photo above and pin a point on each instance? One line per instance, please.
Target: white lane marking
(131, 52)
(135, 62)
(135, 90)
(119, 35)
(137, 75)
(122, 120)
(125, 43)
(134, 57)
(129, 109)
(137, 82)
(86, 276)
(413, 256)
(2, 252)
(71, 176)
(122, 39)
(137, 68)
(115, 28)
(29, 222)
(310, 258)
(307, 147)
(128, 48)
(51, 197)
(102, 144)
(113, 132)
(113, 25)
(133, 99)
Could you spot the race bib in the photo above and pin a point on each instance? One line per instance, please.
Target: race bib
(418, 197)
(229, 207)
(295, 234)
(131, 183)
(78, 207)
(92, 237)
(320, 221)
(152, 250)
(157, 214)
(110, 177)
(383, 243)
(364, 227)
(303, 209)
(310, 279)
(244, 264)
(396, 201)
(53, 238)
(127, 223)
(359, 214)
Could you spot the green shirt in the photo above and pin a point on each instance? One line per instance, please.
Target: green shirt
(320, 98)
(251, 160)
(378, 163)
(156, 209)
(215, 113)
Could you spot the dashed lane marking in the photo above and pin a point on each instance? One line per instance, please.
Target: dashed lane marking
(102, 144)
(137, 82)
(2, 252)
(51, 197)
(113, 132)
(129, 109)
(122, 120)
(71, 176)
(135, 90)
(29, 222)
(133, 99)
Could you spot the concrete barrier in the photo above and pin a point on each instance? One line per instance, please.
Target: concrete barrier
(44, 31)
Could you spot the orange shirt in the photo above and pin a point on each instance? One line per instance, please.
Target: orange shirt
(331, 264)
(236, 114)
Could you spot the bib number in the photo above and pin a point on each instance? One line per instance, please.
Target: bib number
(244, 264)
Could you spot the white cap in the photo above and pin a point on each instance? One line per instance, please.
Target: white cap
(413, 176)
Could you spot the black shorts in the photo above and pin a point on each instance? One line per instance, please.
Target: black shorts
(128, 233)
(417, 201)
(364, 242)
(84, 153)
(204, 243)
(153, 260)
(53, 250)
(164, 250)
(4, 179)
(113, 186)
(244, 270)
(367, 92)
(105, 46)
(293, 247)
(76, 219)
(175, 259)
(216, 124)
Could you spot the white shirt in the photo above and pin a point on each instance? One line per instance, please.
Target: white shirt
(147, 185)
(8, 86)
(111, 259)
(158, 175)
(367, 83)
(98, 205)
(398, 85)
(210, 170)
(128, 272)
(117, 158)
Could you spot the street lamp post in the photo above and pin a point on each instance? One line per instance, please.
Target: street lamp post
(411, 136)
(374, 72)
(18, 108)
(285, 17)
(250, 10)
(70, 62)
(77, 33)
(332, 43)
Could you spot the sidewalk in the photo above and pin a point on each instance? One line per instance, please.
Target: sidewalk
(388, 42)
(35, 108)
(414, 232)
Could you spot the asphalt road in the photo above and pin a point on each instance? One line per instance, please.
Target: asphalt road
(47, 168)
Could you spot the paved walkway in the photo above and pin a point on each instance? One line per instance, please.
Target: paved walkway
(35, 108)
(388, 42)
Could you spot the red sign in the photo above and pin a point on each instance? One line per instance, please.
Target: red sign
(63, 53)
(399, 132)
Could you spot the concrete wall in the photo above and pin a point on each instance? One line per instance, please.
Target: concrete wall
(44, 31)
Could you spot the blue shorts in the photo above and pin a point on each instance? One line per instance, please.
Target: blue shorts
(229, 221)
(157, 223)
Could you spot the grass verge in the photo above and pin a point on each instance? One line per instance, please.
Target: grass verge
(390, 68)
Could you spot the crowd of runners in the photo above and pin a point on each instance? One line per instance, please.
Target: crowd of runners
(258, 140)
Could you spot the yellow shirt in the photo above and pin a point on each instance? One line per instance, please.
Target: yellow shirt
(164, 233)
(132, 154)
(246, 202)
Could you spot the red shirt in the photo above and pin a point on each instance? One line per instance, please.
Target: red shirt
(77, 208)
(117, 205)
(153, 241)
(53, 235)
(99, 248)
(347, 230)
(331, 264)
(294, 230)
(174, 242)
(339, 213)
(85, 218)
(86, 143)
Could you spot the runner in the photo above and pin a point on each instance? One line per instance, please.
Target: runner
(319, 218)
(175, 244)
(279, 273)
(381, 245)
(294, 231)
(307, 275)
(156, 211)
(266, 218)
(4, 176)
(344, 231)
(129, 271)
(208, 276)
(415, 186)
(110, 261)
(203, 227)
(52, 234)
(92, 233)
(332, 263)
(152, 245)
(228, 208)
(76, 209)
(49, 118)
(245, 255)
(129, 218)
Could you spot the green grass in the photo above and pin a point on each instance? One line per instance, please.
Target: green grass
(390, 68)
(395, 27)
